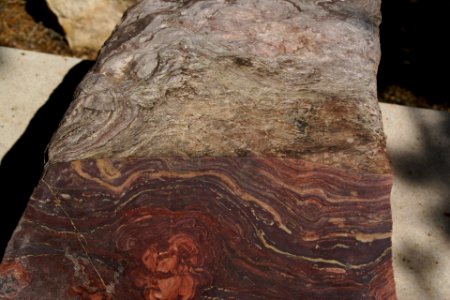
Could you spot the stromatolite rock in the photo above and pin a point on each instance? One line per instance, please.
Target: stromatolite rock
(199, 78)
(217, 150)
(229, 228)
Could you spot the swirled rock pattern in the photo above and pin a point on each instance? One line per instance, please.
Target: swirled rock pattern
(195, 78)
(217, 150)
(210, 228)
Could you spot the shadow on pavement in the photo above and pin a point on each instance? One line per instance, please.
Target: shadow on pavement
(22, 167)
(423, 171)
(429, 166)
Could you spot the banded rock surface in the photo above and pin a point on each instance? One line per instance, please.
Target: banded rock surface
(217, 150)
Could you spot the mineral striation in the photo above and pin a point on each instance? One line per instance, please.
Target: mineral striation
(217, 150)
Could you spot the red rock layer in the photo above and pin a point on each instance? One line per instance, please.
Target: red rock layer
(209, 228)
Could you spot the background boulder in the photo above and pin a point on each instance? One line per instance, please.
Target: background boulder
(88, 23)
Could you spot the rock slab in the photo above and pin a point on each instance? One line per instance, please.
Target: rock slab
(218, 149)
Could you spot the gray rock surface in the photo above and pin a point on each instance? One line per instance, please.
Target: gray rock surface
(195, 78)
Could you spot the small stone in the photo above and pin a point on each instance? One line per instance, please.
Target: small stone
(88, 23)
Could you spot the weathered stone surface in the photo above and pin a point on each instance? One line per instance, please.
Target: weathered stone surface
(88, 23)
(217, 150)
(196, 78)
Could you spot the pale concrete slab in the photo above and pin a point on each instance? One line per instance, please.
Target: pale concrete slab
(419, 150)
(418, 145)
(26, 81)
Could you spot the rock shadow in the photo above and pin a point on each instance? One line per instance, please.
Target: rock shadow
(414, 55)
(22, 167)
(425, 168)
(41, 13)
(430, 165)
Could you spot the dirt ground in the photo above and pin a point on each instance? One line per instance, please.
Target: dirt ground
(30, 25)
(409, 70)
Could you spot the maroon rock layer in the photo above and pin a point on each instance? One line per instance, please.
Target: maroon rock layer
(209, 228)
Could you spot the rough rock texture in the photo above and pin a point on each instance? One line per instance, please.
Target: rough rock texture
(88, 23)
(211, 227)
(217, 150)
(195, 78)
